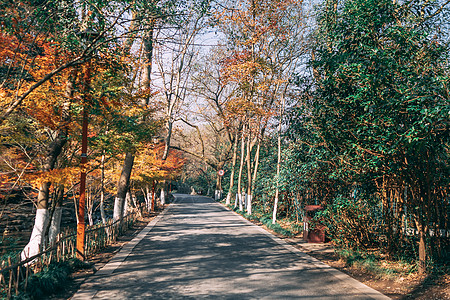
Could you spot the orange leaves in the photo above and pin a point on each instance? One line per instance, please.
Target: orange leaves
(240, 67)
(12, 165)
(64, 176)
(149, 165)
(26, 60)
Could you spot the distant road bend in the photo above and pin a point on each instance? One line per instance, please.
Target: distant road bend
(199, 250)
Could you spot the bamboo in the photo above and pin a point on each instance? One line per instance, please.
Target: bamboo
(17, 280)
(26, 276)
(10, 279)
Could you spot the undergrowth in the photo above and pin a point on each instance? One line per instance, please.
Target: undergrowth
(375, 264)
(51, 279)
(259, 216)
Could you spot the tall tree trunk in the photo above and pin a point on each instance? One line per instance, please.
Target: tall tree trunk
(147, 197)
(148, 52)
(55, 224)
(277, 191)
(167, 138)
(127, 203)
(102, 190)
(163, 193)
(122, 186)
(153, 195)
(422, 245)
(90, 206)
(241, 166)
(249, 176)
(255, 170)
(233, 166)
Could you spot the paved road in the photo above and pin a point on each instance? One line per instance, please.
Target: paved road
(200, 250)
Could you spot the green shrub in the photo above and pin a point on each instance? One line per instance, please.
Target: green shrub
(351, 222)
(51, 279)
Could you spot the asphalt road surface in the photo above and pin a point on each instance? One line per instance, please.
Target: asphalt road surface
(198, 249)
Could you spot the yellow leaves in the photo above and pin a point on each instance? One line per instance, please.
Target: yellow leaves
(149, 166)
(65, 176)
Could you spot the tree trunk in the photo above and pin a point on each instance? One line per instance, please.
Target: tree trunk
(233, 165)
(153, 195)
(249, 176)
(127, 203)
(169, 125)
(123, 184)
(55, 223)
(241, 166)
(277, 191)
(102, 190)
(255, 170)
(163, 194)
(148, 198)
(148, 48)
(90, 207)
(422, 246)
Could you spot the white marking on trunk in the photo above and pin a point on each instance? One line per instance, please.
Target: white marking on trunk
(55, 225)
(37, 235)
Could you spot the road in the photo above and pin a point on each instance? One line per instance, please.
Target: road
(199, 250)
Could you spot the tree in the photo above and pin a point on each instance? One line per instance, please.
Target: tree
(266, 41)
(211, 141)
(27, 26)
(381, 103)
(179, 46)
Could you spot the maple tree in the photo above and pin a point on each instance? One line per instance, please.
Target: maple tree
(266, 40)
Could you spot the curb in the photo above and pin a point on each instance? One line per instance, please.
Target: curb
(88, 290)
(364, 289)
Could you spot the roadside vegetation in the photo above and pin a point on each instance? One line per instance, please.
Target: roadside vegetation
(277, 107)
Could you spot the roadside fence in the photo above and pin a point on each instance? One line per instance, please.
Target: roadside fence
(14, 273)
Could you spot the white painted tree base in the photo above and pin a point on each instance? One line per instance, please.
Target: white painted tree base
(125, 205)
(217, 195)
(193, 192)
(118, 208)
(249, 204)
(55, 226)
(163, 197)
(228, 200)
(37, 235)
(149, 202)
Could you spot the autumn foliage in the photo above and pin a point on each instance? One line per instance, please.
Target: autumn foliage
(149, 166)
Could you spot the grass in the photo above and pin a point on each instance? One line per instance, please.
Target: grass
(284, 227)
(376, 264)
(371, 262)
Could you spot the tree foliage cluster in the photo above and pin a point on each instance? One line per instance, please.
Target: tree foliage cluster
(63, 62)
(370, 140)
